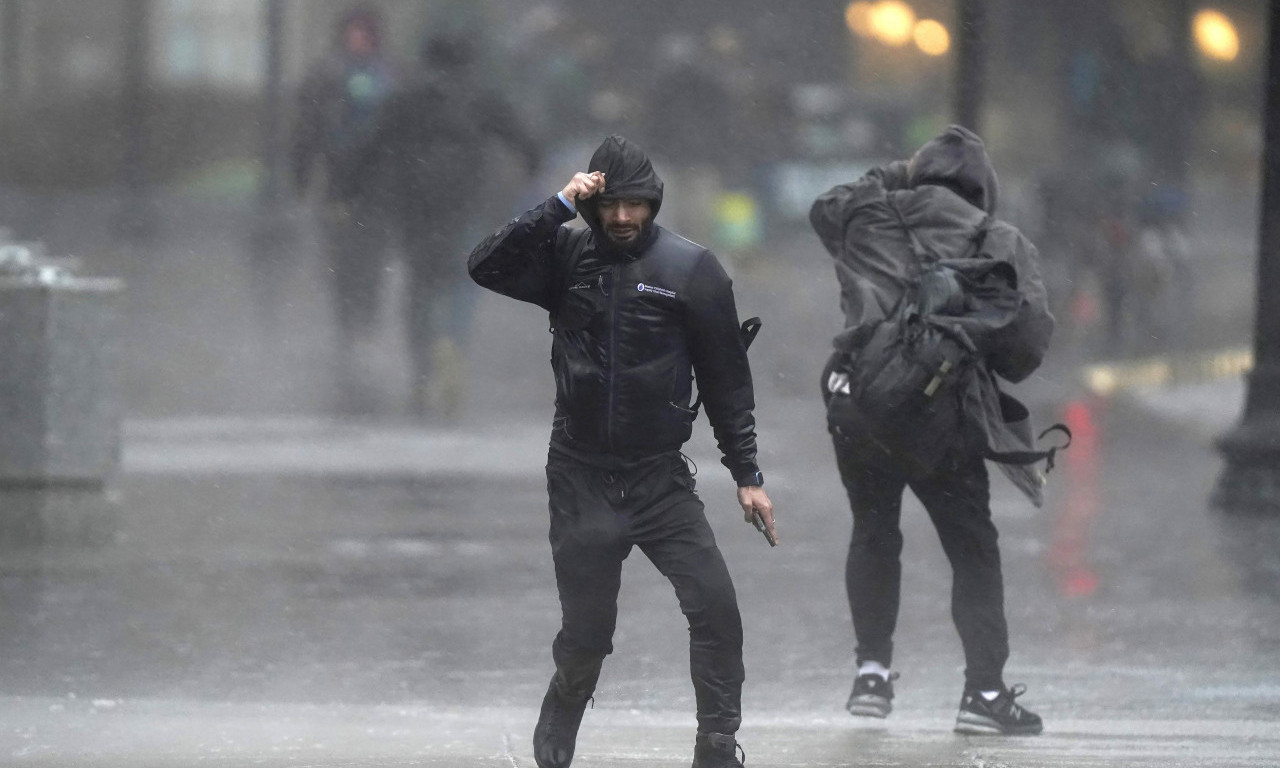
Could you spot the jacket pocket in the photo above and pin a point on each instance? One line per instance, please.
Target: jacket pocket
(585, 299)
(680, 387)
(676, 424)
(690, 413)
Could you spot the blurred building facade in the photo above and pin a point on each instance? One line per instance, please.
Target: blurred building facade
(79, 77)
(811, 91)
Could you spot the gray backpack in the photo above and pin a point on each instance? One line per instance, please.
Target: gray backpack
(897, 385)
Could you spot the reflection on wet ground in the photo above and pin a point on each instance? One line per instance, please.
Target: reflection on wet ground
(1131, 605)
(1068, 557)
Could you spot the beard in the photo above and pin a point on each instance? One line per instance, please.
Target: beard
(626, 238)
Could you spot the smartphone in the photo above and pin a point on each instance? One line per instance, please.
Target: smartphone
(758, 521)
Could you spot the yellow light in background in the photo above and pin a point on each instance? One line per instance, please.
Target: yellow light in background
(1215, 35)
(892, 22)
(931, 37)
(858, 17)
(1101, 380)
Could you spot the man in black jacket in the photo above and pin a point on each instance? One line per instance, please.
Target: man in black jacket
(636, 311)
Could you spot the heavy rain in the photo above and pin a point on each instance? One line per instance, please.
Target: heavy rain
(274, 468)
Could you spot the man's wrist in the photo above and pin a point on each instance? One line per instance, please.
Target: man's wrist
(749, 478)
(567, 203)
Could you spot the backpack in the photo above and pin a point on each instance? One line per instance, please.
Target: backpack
(898, 385)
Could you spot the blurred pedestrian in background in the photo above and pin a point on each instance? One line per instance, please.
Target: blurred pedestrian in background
(636, 311)
(689, 115)
(430, 143)
(338, 106)
(884, 231)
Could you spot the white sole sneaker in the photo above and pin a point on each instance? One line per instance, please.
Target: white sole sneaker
(979, 725)
(869, 706)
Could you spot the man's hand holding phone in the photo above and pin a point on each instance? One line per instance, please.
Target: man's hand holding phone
(758, 510)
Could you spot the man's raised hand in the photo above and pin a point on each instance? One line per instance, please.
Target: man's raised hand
(583, 185)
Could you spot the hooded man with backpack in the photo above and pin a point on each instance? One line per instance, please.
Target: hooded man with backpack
(636, 312)
(939, 299)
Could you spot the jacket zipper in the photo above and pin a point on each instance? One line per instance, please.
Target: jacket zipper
(613, 350)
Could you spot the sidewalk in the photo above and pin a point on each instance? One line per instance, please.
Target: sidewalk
(151, 734)
(289, 606)
(1207, 408)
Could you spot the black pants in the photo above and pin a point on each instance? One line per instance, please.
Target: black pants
(597, 515)
(957, 498)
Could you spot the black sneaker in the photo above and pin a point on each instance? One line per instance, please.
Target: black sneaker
(557, 729)
(872, 696)
(717, 750)
(1001, 716)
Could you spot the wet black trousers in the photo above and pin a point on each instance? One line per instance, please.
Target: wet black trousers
(957, 498)
(597, 516)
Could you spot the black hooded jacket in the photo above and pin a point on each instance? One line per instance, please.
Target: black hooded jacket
(631, 326)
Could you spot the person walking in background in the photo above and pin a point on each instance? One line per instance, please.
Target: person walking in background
(690, 115)
(884, 231)
(338, 104)
(431, 141)
(636, 311)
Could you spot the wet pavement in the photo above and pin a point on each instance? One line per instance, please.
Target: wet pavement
(260, 601)
(267, 584)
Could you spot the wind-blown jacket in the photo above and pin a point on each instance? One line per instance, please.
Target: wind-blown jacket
(631, 327)
(944, 195)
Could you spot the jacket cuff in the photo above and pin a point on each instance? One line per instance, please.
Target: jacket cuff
(555, 204)
(747, 475)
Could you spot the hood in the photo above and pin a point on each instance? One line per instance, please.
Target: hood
(957, 159)
(627, 173)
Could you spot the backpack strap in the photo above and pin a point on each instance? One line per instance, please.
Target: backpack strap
(1031, 457)
(917, 248)
(750, 327)
(978, 239)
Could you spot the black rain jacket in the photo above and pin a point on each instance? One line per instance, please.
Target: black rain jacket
(631, 327)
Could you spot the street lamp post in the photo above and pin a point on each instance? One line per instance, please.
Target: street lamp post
(1250, 481)
(970, 59)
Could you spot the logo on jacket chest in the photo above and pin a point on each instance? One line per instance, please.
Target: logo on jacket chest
(649, 288)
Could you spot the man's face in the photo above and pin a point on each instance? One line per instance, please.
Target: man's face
(624, 219)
